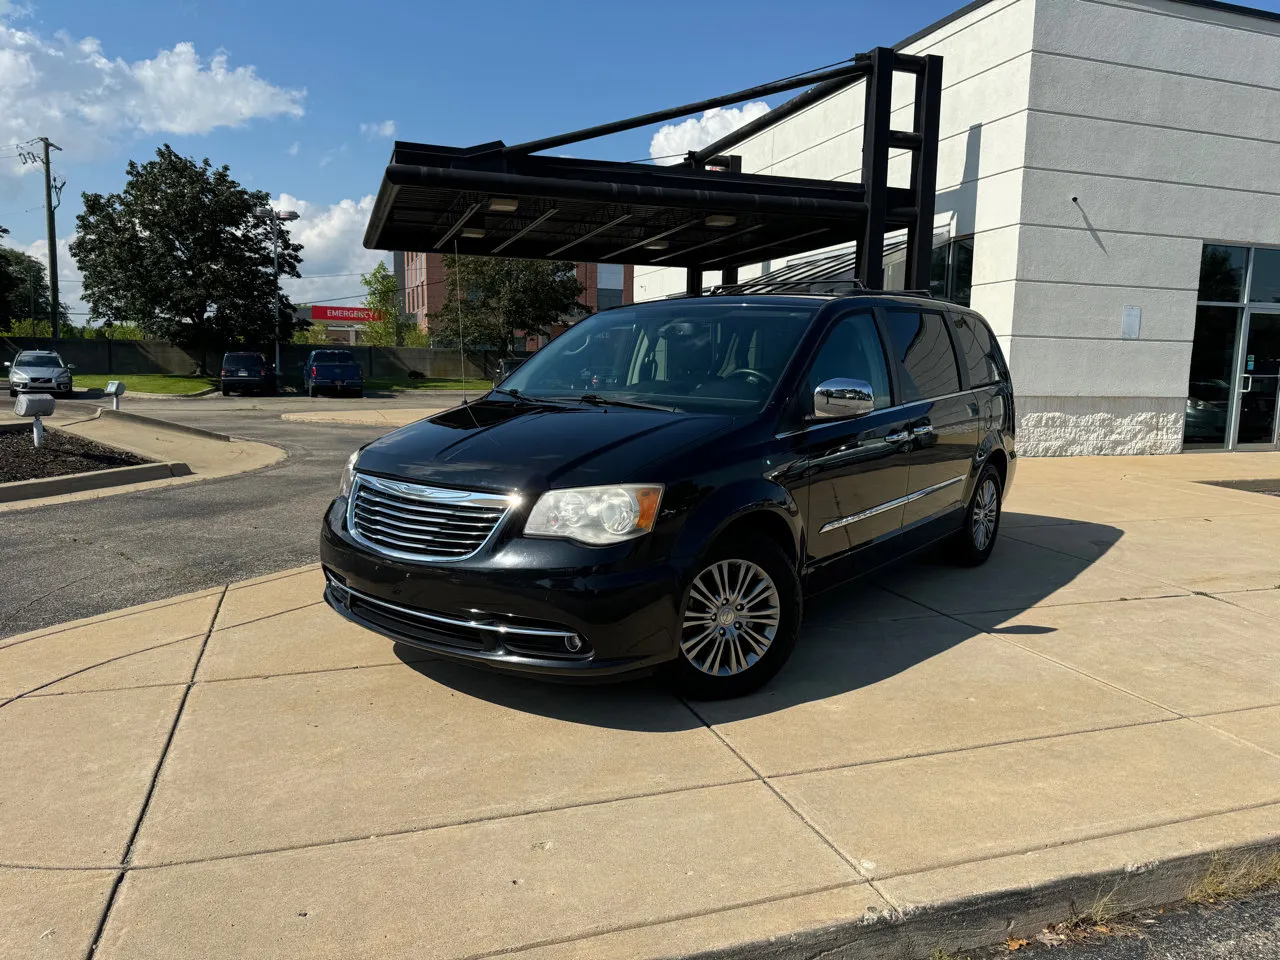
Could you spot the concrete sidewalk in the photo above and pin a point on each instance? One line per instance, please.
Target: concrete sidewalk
(241, 773)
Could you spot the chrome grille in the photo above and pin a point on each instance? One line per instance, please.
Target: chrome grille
(415, 522)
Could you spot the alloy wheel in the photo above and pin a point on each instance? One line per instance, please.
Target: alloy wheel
(986, 511)
(730, 618)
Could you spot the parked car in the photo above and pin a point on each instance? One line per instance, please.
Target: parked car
(247, 373)
(740, 451)
(39, 371)
(335, 370)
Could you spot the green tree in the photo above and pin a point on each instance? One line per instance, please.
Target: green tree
(312, 333)
(24, 291)
(392, 327)
(502, 298)
(180, 253)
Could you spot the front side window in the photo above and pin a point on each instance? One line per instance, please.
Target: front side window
(713, 356)
(852, 351)
(922, 345)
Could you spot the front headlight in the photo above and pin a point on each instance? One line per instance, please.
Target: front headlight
(348, 475)
(596, 515)
(17, 376)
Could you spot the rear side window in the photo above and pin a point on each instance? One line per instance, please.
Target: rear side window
(852, 351)
(977, 345)
(920, 341)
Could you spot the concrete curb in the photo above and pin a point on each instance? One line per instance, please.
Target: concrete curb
(93, 480)
(107, 414)
(983, 920)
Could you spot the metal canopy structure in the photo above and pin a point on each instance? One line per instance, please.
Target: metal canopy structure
(702, 213)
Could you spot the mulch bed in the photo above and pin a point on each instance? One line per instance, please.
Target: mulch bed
(58, 455)
(1271, 487)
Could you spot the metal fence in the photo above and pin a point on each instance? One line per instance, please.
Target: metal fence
(123, 357)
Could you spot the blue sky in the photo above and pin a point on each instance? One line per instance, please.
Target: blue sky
(300, 98)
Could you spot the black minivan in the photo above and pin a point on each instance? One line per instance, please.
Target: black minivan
(660, 485)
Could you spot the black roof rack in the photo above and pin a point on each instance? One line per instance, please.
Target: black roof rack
(820, 286)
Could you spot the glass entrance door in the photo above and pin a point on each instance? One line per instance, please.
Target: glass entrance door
(1258, 383)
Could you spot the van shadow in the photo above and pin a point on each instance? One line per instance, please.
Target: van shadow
(853, 637)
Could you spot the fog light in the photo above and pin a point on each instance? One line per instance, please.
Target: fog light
(573, 643)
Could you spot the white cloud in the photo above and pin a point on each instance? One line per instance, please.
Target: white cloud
(332, 237)
(674, 140)
(293, 148)
(69, 277)
(70, 91)
(387, 128)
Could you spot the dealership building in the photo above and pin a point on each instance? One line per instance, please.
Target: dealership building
(1108, 197)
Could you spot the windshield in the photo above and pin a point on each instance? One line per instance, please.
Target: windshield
(39, 360)
(706, 356)
(332, 356)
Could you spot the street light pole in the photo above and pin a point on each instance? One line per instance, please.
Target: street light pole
(276, 216)
(275, 263)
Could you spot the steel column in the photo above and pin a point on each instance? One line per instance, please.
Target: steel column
(924, 174)
(875, 166)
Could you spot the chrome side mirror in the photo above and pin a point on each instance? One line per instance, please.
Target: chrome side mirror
(843, 398)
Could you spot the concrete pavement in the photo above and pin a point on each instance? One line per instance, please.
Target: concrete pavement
(951, 755)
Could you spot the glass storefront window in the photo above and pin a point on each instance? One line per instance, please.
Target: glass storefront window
(1222, 271)
(1209, 386)
(1264, 285)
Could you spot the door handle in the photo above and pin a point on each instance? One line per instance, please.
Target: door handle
(1246, 383)
(924, 428)
(898, 437)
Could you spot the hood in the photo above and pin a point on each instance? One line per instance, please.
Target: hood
(500, 446)
(32, 371)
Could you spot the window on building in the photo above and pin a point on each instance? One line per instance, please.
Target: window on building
(1264, 283)
(1222, 273)
(609, 285)
(920, 340)
(977, 347)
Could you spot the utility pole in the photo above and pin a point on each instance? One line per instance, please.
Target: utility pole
(50, 187)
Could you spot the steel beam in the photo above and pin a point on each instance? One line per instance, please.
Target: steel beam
(875, 166)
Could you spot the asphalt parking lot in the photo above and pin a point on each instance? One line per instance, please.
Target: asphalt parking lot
(79, 559)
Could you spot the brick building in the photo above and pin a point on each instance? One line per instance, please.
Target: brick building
(421, 277)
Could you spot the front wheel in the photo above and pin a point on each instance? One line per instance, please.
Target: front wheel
(974, 541)
(739, 621)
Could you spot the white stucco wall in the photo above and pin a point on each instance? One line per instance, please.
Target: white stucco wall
(1163, 119)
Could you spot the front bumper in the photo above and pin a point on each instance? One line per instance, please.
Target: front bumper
(50, 388)
(519, 605)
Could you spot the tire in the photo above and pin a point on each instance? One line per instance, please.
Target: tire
(13, 393)
(311, 390)
(707, 670)
(973, 542)
(358, 393)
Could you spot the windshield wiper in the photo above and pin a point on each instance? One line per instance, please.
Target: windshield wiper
(598, 401)
(521, 398)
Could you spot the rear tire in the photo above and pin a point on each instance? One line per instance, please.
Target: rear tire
(973, 542)
(311, 390)
(742, 591)
(226, 391)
